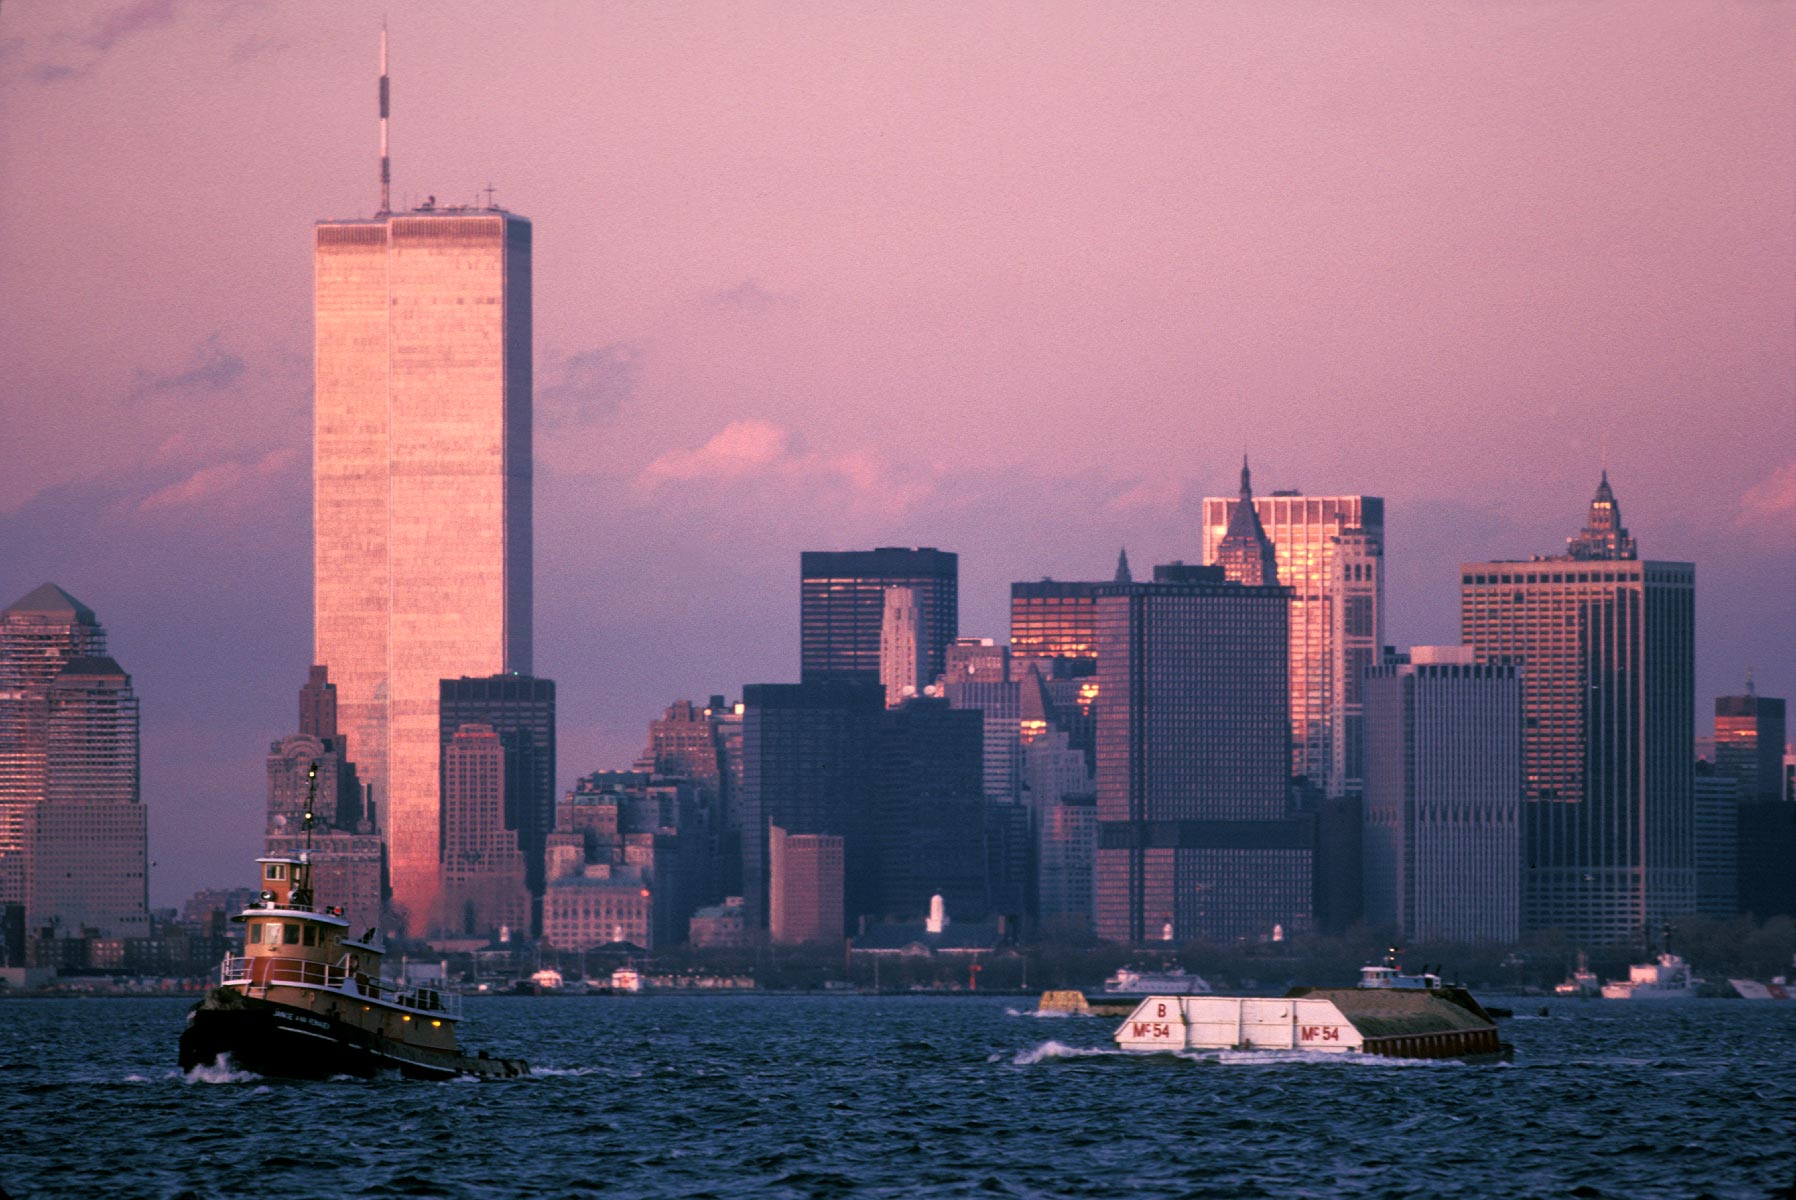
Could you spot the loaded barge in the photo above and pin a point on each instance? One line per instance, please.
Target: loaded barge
(1392, 1015)
(306, 1000)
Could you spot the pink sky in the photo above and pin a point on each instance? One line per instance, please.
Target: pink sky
(1020, 281)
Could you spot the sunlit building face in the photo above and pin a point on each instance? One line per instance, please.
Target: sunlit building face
(422, 492)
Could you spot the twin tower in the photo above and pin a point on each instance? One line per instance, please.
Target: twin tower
(421, 493)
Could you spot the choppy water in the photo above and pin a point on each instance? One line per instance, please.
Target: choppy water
(813, 1097)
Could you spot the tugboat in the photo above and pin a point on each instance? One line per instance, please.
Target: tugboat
(306, 999)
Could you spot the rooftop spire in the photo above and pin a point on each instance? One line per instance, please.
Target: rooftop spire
(1245, 553)
(386, 169)
(1603, 536)
(1122, 567)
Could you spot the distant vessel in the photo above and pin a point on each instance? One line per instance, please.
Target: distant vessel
(1667, 977)
(1581, 982)
(626, 979)
(1173, 981)
(1388, 975)
(1751, 989)
(1395, 1021)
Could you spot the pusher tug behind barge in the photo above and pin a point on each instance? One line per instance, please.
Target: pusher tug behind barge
(307, 1001)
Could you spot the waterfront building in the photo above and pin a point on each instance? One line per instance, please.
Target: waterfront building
(719, 926)
(1443, 797)
(1197, 839)
(1749, 743)
(842, 603)
(422, 475)
(806, 750)
(1607, 650)
(635, 828)
(521, 711)
(805, 887)
(1716, 834)
(1307, 534)
(904, 645)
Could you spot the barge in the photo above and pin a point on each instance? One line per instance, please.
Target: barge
(1388, 1018)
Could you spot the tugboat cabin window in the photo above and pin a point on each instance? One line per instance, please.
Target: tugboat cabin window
(255, 933)
(292, 934)
(311, 936)
(275, 871)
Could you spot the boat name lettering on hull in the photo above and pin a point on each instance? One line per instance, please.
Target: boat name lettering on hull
(1321, 1033)
(1151, 1029)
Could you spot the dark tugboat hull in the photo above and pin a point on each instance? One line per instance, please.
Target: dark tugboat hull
(276, 1040)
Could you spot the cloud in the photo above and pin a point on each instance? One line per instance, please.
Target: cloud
(1771, 499)
(750, 296)
(211, 369)
(109, 29)
(1157, 494)
(752, 450)
(595, 385)
(218, 480)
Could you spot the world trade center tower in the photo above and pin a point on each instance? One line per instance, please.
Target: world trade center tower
(421, 494)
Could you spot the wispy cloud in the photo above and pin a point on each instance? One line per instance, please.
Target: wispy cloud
(111, 28)
(758, 451)
(750, 296)
(595, 384)
(1772, 500)
(210, 368)
(217, 481)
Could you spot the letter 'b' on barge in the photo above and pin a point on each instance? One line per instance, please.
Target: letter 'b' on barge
(306, 999)
(1439, 1022)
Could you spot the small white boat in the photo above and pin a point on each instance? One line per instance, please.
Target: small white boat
(1667, 977)
(1779, 988)
(1170, 982)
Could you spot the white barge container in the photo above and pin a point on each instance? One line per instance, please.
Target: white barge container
(1439, 1022)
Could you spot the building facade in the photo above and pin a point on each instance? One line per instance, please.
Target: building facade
(805, 887)
(521, 710)
(1716, 832)
(904, 644)
(1749, 743)
(1443, 797)
(1306, 533)
(842, 599)
(1607, 651)
(484, 890)
(422, 477)
(1197, 840)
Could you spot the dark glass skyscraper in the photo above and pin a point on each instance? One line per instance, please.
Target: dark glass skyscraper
(521, 711)
(1749, 743)
(1607, 651)
(1196, 837)
(842, 607)
(807, 750)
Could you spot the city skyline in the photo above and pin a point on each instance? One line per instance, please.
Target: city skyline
(697, 434)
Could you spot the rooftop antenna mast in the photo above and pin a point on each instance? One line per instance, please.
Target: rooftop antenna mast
(386, 169)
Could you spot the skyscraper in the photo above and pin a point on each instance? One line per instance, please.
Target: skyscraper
(1443, 798)
(1245, 553)
(1607, 649)
(842, 608)
(483, 863)
(1307, 534)
(521, 711)
(1749, 743)
(72, 825)
(1196, 836)
(422, 491)
(904, 645)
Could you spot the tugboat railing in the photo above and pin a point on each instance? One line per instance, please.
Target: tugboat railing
(259, 972)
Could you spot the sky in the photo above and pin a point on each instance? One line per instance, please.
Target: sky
(1021, 281)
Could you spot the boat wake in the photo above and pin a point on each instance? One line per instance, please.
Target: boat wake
(1044, 1014)
(1050, 1050)
(221, 1070)
(553, 1072)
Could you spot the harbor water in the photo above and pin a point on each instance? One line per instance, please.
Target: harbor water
(771, 1096)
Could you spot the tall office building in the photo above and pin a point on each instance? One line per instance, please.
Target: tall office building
(1053, 619)
(1245, 552)
(421, 491)
(521, 710)
(1749, 743)
(806, 883)
(72, 824)
(904, 645)
(1196, 836)
(1716, 837)
(978, 676)
(1607, 650)
(483, 860)
(842, 604)
(806, 750)
(1443, 797)
(929, 805)
(1308, 534)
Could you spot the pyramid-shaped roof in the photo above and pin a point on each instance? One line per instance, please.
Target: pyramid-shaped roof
(51, 601)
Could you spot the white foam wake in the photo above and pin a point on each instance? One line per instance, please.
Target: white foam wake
(220, 1071)
(1054, 1050)
(1043, 1014)
(547, 1072)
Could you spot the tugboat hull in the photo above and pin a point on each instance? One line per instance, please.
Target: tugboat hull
(278, 1040)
